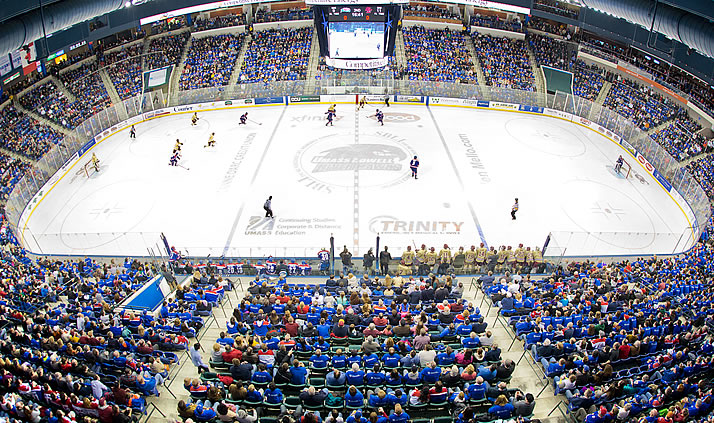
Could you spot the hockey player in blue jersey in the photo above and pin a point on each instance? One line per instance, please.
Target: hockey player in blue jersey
(243, 118)
(380, 117)
(175, 158)
(414, 166)
(330, 117)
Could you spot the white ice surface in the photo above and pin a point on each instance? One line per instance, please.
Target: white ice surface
(473, 164)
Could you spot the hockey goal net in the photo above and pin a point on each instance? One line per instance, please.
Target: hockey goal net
(87, 169)
(625, 170)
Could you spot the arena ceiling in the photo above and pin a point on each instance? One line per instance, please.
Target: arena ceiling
(687, 21)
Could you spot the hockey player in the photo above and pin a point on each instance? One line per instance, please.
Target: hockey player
(380, 117)
(95, 162)
(481, 254)
(177, 146)
(514, 209)
(362, 102)
(444, 259)
(175, 157)
(414, 165)
(132, 132)
(470, 259)
(618, 164)
(211, 141)
(194, 119)
(330, 117)
(408, 260)
(243, 118)
(332, 108)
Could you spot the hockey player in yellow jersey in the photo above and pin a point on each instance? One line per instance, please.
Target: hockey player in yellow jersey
(538, 259)
(407, 260)
(529, 257)
(177, 146)
(445, 254)
(520, 255)
(431, 257)
(444, 259)
(194, 119)
(95, 162)
(421, 254)
(501, 257)
(510, 257)
(211, 141)
(459, 259)
(470, 259)
(481, 255)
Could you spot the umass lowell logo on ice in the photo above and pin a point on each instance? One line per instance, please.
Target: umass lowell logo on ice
(342, 160)
(259, 225)
(360, 157)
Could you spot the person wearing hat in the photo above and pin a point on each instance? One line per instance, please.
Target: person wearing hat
(340, 330)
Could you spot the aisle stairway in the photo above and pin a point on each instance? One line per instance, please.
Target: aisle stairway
(477, 65)
(67, 93)
(537, 74)
(400, 51)
(239, 61)
(112, 91)
(312, 65)
(604, 91)
(178, 70)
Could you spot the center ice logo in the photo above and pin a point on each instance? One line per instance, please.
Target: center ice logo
(360, 157)
(341, 160)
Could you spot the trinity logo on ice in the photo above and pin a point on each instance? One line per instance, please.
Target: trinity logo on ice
(393, 225)
(359, 157)
(396, 117)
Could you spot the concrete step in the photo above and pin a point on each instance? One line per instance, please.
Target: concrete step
(312, 64)
(239, 61)
(477, 65)
(178, 70)
(67, 93)
(604, 91)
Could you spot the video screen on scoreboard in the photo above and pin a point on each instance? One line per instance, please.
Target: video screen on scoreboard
(356, 32)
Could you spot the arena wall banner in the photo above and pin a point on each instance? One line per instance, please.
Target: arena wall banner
(557, 113)
(270, 100)
(530, 109)
(373, 98)
(339, 98)
(628, 147)
(467, 102)
(408, 99)
(661, 179)
(304, 99)
(643, 160)
(357, 64)
(502, 106)
(86, 147)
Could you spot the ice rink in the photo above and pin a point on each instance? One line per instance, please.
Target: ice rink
(353, 181)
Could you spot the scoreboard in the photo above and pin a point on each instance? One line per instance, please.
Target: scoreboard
(362, 13)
